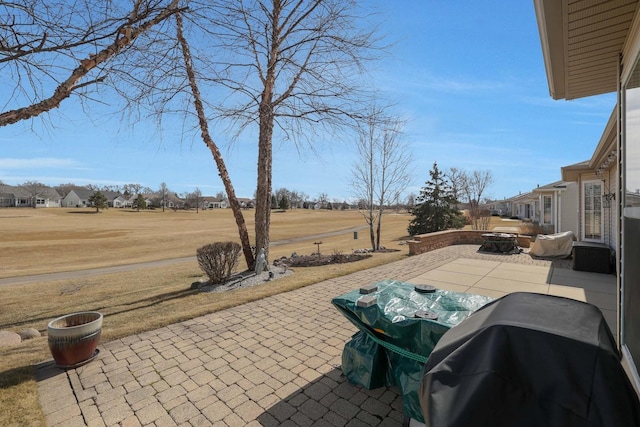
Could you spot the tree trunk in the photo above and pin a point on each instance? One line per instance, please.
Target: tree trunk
(371, 232)
(265, 139)
(379, 230)
(263, 193)
(215, 152)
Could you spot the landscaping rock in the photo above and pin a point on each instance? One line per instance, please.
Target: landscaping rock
(9, 338)
(28, 334)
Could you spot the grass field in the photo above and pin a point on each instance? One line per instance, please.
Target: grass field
(36, 241)
(51, 240)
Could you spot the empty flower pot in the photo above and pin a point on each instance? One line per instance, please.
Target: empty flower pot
(73, 339)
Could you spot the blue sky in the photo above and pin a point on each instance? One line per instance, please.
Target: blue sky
(468, 76)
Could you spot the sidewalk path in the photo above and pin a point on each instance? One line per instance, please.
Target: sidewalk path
(272, 362)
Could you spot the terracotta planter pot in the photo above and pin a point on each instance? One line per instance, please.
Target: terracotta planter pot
(73, 339)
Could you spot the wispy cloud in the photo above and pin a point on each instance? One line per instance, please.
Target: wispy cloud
(461, 85)
(39, 162)
(424, 80)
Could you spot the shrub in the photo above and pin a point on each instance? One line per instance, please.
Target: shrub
(338, 256)
(531, 229)
(218, 260)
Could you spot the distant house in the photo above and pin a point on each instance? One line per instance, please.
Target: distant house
(49, 198)
(525, 206)
(156, 200)
(17, 196)
(212, 203)
(130, 200)
(114, 199)
(558, 207)
(7, 199)
(246, 203)
(170, 201)
(500, 207)
(77, 198)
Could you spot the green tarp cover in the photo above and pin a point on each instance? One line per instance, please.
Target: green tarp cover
(393, 344)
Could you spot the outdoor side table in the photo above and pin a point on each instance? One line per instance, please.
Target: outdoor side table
(398, 332)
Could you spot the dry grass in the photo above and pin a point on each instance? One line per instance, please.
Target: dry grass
(51, 240)
(496, 221)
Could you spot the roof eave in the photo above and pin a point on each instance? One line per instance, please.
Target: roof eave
(549, 16)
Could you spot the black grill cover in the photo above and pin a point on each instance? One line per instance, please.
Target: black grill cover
(528, 360)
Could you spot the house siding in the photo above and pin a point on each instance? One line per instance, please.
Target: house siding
(72, 200)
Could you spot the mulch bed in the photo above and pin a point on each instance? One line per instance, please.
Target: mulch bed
(318, 260)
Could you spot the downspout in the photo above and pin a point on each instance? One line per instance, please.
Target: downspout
(558, 220)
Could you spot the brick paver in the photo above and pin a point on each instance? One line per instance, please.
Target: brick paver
(269, 362)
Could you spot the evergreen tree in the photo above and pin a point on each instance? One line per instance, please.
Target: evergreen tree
(283, 204)
(140, 203)
(436, 209)
(98, 200)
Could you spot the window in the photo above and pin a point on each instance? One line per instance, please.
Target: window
(592, 203)
(546, 210)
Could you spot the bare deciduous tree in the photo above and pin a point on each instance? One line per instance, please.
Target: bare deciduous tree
(382, 170)
(220, 195)
(457, 178)
(323, 200)
(193, 199)
(293, 68)
(411, 200)
(213, 147)
(64, 189)
(471, 188)
(134, 189)
(164, 192)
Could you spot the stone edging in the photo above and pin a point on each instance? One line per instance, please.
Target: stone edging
(431, 241)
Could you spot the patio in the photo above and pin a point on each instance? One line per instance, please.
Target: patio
(247, 366)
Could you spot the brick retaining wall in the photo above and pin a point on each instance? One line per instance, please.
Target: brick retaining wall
(422, 243)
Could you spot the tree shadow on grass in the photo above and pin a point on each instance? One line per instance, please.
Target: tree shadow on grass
(83, 212)
(15, 376)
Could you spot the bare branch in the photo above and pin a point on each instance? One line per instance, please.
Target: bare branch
(124, 37)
